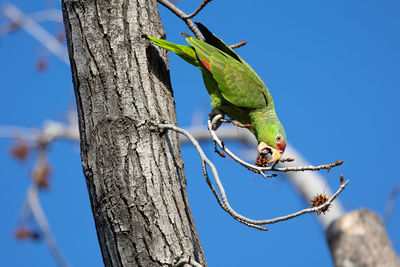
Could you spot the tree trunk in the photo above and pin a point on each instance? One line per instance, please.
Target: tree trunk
(134, 173)
(359, 239)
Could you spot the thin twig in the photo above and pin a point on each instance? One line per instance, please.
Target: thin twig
(223, 200)
(237, 124)
(222, 155)
(261, 170)
(44, 226)
(183, 16)
(39, 215)
(390, 204)
(242, 43)
(306, 168)
(220, 202)
(286, 160)
(201, 6)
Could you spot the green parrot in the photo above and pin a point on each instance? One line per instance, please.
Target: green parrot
(235, 89)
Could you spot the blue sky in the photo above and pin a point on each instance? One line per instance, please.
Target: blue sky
(332, 68)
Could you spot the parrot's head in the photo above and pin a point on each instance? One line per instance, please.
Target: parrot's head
(272, 140)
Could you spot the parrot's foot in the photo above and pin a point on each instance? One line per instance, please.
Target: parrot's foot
(216, 117)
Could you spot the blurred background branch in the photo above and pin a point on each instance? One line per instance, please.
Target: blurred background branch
(31, 26)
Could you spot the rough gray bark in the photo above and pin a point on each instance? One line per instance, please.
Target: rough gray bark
(134, 173)
(360, 239)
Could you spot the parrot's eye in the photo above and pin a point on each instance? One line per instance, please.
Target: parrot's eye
(278, 138)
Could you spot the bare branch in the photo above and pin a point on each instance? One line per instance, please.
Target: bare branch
(38, 214)
(223, 201)
(220, 202)
(55, 130)
(40, 139)
(307, 168)
(309, 210)
(38, 32)
(54, 15)
(50, 131)
(183, 16)
(261, 170)
(306, 183)
(202, 5)
(44, 226)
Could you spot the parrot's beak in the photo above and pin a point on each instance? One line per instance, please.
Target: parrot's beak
(266, 151)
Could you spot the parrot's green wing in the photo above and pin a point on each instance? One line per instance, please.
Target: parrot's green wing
(237, 82)
(213, 40)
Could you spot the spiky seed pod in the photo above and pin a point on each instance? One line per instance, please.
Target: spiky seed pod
(261, 162)
(319, 200)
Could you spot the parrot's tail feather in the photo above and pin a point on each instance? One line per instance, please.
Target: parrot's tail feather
(184, 51)
(203, 50)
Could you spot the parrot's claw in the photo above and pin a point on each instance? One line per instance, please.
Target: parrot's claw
(215, 118)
